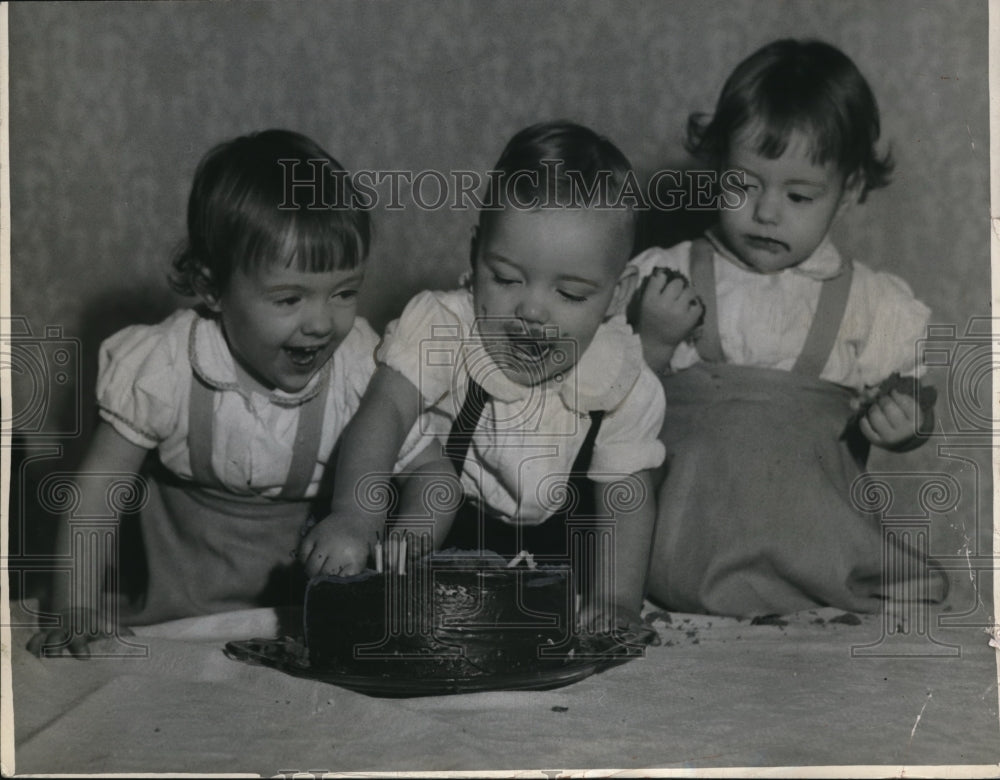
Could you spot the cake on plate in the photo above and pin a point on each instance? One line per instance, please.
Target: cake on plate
(455, 622)
(450, 617)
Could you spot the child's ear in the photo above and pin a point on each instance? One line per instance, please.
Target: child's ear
(625, 288)
(851, 196)
(206, 290)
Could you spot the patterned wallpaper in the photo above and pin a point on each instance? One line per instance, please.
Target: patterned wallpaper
(112, 105)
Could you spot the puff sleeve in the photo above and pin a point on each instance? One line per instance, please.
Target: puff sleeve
(423, 344)
(628, 441)
(143, 377)
(881, 328)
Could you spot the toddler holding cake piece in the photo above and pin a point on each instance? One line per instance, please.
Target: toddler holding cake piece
(781, 359)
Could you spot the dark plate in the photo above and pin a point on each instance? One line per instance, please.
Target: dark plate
(289, 656)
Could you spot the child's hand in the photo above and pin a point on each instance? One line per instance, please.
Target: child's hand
(892, 420)
(337, 545)
(670, 310)
(50, 642)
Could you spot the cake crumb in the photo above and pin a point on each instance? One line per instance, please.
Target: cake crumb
(768, 620)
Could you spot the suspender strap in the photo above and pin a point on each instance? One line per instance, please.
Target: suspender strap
(822, 332)
(581, 487)
(308, 432)
(825, 324)
(460, 436)
(305, 454)
(464, 426)
(709, 345)
(201, 423)
(582, 463)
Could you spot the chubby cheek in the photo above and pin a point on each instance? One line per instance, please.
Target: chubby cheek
(493, 313)
(491, 302)
(580, 329)
(343, 323)
(733, 221)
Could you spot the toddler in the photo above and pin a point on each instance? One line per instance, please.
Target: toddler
(242, 399)
(524, 377)
(769, 341)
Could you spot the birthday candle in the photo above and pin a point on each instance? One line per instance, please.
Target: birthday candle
(517, 559)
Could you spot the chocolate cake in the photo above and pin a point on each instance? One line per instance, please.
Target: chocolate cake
(446, 618)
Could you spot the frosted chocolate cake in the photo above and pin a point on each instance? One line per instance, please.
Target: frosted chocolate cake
(447, 618)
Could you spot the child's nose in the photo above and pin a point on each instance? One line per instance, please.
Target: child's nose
(318, 320)
(765, 209)
(532, 308)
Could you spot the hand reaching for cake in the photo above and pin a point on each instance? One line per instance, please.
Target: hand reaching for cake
(338, 545)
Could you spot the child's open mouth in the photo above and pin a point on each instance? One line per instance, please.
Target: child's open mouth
(304, 357)
(529, 350)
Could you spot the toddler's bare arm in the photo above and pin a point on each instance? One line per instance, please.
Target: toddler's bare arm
(370, 444)
(108, 457)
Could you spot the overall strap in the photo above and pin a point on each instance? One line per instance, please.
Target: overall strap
(308, 432)
(581, 487)
(702, 258)
(460, 436)
(308, 435)
(201, 425)
(825, 325)
(582, 463)
(464, 426)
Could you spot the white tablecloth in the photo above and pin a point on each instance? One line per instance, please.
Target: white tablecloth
(718, 692)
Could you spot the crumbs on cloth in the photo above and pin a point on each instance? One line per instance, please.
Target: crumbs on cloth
(676, 628)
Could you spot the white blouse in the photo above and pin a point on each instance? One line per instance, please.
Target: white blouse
(764, 318)
(143, 391)
(528, 437)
